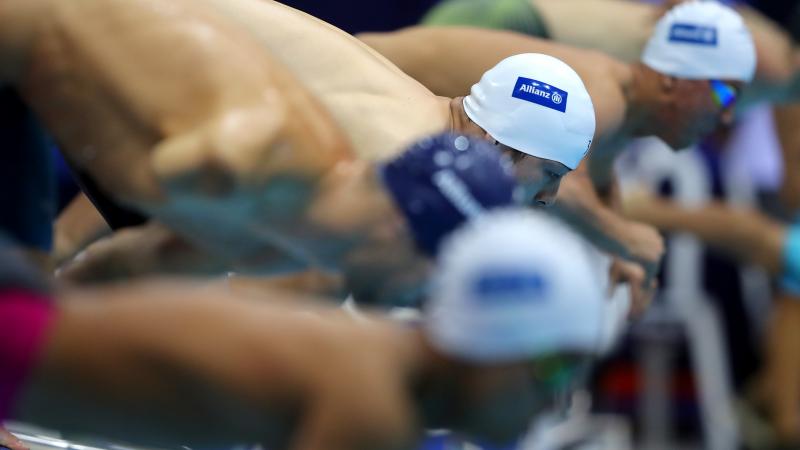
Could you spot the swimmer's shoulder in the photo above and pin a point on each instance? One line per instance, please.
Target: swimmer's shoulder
(605, 78)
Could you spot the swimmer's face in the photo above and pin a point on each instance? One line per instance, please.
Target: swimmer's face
(694, 108)
(500, 402)
(539, 178)
(387, 270)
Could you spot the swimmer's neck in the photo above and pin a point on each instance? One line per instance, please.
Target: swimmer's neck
(639, 91)
(460, 122)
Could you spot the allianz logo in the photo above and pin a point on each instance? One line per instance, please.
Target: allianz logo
(693, 33)
(555, 97)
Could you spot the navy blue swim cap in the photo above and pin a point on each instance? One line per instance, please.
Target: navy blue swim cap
(442, 181)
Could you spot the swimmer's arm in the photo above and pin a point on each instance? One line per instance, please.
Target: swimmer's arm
(786, 120)
(154, 249)
(745, 234)
(161, 364)
(579, 203)
(449, 60)
(77, 226)
(150, 249)
(310, 282)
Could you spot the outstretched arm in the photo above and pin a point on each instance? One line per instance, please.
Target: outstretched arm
(746, 234)
(579, 203)
(786, 119)
(160, 363)
(449, 60)
(154, 249)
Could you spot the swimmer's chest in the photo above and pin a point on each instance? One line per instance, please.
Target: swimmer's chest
(380, 108)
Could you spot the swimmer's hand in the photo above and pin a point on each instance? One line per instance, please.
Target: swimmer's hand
(10, 441)
(645, 246)
(642, 290)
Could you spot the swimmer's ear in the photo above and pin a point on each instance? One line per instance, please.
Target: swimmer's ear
(668, 83)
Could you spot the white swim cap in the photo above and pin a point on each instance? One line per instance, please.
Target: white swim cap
(702, 40)
(535, 104)
(513, 285)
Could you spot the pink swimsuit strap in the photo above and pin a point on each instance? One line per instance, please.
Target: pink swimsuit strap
(25, 317)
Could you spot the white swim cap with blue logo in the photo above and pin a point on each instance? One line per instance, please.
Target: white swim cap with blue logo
(535, 104)
(702, 40)
(513, 285)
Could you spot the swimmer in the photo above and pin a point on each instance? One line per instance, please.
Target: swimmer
(682, 88)
(264, 149)
(594, 24)
(515, 314)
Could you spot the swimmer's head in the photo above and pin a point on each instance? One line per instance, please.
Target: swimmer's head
(514, 299)
(433, 187)
(442, 181)
(701, 54)
(537, 107)
(512, 285)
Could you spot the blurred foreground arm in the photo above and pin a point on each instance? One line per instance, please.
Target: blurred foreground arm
(160, 363)
(746, 234)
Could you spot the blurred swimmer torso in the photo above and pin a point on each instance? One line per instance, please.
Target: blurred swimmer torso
(302, 376)
(107, 70)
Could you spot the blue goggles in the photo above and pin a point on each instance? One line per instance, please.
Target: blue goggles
(723, 93)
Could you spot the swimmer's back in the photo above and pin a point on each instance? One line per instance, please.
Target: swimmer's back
(380, 108)
(585, 23)
(133, 116)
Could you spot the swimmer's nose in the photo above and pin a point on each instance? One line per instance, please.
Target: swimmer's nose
(545, 200)
(547, 196)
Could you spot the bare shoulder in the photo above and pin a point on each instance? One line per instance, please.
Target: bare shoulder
(363, 400)
(604, 78)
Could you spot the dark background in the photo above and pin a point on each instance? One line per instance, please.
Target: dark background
(355, 16)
